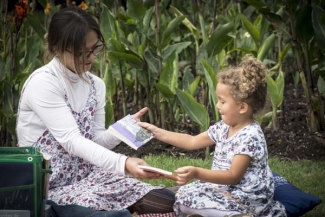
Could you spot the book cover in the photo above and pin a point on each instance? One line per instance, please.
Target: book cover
(166, 173)
(128, 130)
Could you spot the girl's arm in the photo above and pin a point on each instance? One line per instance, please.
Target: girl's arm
(180, 140)
(226, 177)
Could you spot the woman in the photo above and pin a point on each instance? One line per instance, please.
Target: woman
(61, 111)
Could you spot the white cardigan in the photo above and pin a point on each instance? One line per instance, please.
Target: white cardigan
(42, 106)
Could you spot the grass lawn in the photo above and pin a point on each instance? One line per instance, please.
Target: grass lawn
(309, 176)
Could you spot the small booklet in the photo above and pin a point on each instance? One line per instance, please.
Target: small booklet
(166, 173)
(128, 130)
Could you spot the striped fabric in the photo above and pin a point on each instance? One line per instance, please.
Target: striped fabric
(169, 214)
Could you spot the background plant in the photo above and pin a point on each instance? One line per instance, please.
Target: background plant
(165, 55)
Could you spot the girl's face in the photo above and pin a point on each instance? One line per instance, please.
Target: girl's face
(93, 47)
(229, 109)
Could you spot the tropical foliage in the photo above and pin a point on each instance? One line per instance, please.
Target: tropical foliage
(165, 54)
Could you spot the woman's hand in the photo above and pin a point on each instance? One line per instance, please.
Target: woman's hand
(131, 165)
(185, 174)
(140, 113)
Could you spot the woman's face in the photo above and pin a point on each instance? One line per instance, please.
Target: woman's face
(93, 47)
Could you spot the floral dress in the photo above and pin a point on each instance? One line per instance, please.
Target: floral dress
(76, 181)
(253, 194)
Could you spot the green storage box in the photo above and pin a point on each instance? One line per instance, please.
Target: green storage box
(23, 185)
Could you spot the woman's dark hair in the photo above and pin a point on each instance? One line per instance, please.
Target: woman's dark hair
(68, 30)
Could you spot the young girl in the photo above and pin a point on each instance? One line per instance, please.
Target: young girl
(240, 180)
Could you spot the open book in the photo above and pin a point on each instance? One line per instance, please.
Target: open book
(128, 130)
(166, 173)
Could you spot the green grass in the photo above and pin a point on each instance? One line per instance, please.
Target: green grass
(309, 176)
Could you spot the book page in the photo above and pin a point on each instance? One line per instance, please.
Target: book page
(166, 173)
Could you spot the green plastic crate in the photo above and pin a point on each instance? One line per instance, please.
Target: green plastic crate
(22, 182)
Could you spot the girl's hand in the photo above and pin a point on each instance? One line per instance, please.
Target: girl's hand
(149, 127)
(185, 174)
(131, 166)
(139, 114)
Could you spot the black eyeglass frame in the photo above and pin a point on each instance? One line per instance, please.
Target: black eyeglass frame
(92, 51)
(100, 47)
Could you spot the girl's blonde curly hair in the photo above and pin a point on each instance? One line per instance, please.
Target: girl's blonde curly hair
(247, 82)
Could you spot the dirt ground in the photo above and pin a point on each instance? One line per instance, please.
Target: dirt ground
(292, 141)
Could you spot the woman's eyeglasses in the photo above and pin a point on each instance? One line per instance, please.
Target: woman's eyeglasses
(95, 51)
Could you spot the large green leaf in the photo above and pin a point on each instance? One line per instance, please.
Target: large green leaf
(135, 9)
(211, 77)
(34, 22)
(171, 27)
(266, 47)
(187, 79)
(196, 111)
(21, 77)
(32, 51)
(194, 85)
(273, 18)
(2, 67)
(318, 18)
(146, 20)
(178, 47)
(275, 91)
(11, 124)
(116, 45)
(169, 75)
(263, 26)
(251, 29)
(165, 91)
(304, 26)
(257, 4)
(221, 59)
(107, 23)
(280, 85)
(195, 32)
(203, 32)
(219, 39)
(109, 81)
(152, 61)
(109, 114)
(321, 86)
(284, 52)
(272, 90)
(6, 106)
(131, 59)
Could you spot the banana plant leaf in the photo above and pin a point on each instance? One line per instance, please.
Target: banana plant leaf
(219, 39)
(131, 59)
(196, 111)
(318, 17)
(266, 47)
(251, 29)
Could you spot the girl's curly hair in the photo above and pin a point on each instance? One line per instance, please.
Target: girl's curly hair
(247, 82)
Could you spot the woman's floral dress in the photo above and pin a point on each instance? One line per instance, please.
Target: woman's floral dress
(76, 181)
(253, 194)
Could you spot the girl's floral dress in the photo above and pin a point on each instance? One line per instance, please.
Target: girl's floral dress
(253, 194)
